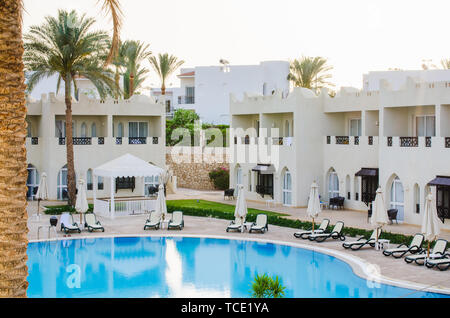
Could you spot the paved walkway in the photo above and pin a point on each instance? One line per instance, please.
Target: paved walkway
(389, 268)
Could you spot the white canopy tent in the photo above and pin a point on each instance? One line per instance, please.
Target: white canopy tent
(124, 166)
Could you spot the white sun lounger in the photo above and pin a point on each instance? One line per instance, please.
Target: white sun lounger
(356, 245)
(153, 222)
(68, 224)
(237, 224)
(402, 249)
(260, 224)
(437, 252)
(91, 222)
(336, 233)
(322, 228)
(177, 220)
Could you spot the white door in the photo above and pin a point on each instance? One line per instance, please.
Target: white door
(397, 198)
(333, 185)
(287, 189)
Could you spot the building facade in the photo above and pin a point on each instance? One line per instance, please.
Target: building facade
(398, 139)
(206, 89)
(103, 130)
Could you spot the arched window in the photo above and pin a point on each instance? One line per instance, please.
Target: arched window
(32, 181)
(61, 187)
(397, 198)
(416, 198)
(89, 179)
(287, 188)
(356, 188)
(120, 130)
(83, 130)
(333, 184)
(93, 130)
(347, 187)
(238, 179)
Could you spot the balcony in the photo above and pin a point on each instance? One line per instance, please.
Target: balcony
(77, 141)
(351, 140)
(186, 99)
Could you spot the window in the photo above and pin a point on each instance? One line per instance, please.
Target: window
(100, 183)
(61, 187)
(60, 129)
(125, 183)
(29, 129)
(83, 130)
(168, 106)
(356, 188)
(89, 179)
(137, 129)
(426, 126)
(333, 185)
(417, 198)
(238, 179)
(287, 188)
(250, 180)
(355, 127)
(152, 181)
(32, 181)
(120, 130)
(397, 197)
(93, 130)
(287, 131)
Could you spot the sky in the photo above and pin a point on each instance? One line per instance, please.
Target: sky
(356, 36)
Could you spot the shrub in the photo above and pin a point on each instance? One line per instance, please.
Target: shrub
(267, 287)
(59, 209)
(220, 177)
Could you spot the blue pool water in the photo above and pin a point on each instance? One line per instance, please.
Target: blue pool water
(189, 267)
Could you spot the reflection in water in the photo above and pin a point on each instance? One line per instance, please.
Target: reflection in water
(188, 267)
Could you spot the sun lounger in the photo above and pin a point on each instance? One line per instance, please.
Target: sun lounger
(260, 225)
(68, 224)
(335, 234)
(437, 252)
(236, 224)
(91, 222)
(153, 222)
(356, 245)
(322, 228)
(402, 249)
(177, 221)
(442, 263)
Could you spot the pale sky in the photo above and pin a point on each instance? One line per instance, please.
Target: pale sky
(356, 36)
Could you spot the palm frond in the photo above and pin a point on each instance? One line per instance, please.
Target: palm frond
(113, 7)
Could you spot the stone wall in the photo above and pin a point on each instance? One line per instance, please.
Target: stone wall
(192, 166)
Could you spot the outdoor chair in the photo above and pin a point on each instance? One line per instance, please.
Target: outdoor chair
(358, 244)
(260, 225)
(414, 248)
(177, 221)
(236, 225)
(322, 228)
(335, 234)
(437, 252)
(228, 194)
(91, 222)
(442, 263)
(68, 224)
(337, 202)
(392, 214)
(153, 222)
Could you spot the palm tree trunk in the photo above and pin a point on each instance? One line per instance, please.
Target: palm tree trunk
(131, 84)
(13, 161)
(163, 89)
(71, 186)
(117, 79)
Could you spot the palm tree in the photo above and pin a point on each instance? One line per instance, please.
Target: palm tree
(65, 46)
(164, 66)
(310, 72)
(445, 63)
(133, 54)
(13, 166)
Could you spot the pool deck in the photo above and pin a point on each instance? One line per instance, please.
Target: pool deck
(395, 271)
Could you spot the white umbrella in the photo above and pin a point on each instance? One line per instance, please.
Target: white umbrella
(161, 207)
(379, 213)
(81, 204)
(431, 225)
(42, 192)
(313, 209)
(241, 205)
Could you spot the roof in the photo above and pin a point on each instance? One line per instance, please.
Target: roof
(264, 168)
(187, 74)
(367, 172)
(127, 166)
(440, 181)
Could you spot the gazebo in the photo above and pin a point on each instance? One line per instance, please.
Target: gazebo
(124, 166)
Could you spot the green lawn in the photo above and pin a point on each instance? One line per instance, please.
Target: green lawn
(220, 207)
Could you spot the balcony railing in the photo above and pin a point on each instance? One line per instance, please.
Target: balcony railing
(447, 142)
(186, 100)
(409, 141)
(77, 141)
(34, 140)
(342, 140)
(137, 140)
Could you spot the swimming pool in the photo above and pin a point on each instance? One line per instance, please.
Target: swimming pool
(189, 267)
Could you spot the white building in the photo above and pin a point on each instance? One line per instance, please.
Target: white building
(349, 144)
(206, 89)
(102, 130)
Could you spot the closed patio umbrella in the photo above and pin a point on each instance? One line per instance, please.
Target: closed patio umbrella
(313, 209)
(379, 214)
(431, 225)
(42, 191)
(161, 207)
(81, 204)
(241, 205)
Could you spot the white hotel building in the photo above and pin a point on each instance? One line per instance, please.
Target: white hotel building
(398, 139)
(103, 131)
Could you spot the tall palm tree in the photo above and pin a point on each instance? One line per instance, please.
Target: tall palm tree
(310, 72)
(13, 167)
(65, 46)
(134, 53)
(164, 66)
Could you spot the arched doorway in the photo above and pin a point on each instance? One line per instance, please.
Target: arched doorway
(32, 181)
(397, 198)
(61, 187)
(287, 188)
(333, 184)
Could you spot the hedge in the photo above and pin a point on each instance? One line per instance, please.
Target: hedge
(59, 209)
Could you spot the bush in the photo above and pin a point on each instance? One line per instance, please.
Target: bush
(59, 209)
(267, 287)
(220, 177)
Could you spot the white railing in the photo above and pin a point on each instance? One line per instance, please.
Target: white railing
(101, 207)
(123, 206)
